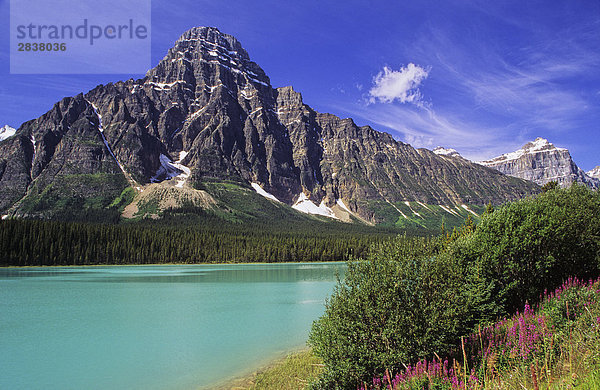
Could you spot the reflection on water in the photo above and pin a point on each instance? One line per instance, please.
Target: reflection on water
(153, 327)
(203, 273)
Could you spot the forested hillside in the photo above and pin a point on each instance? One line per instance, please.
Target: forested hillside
(200, 240)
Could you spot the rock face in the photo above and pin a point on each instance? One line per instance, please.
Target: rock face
(6, 131)
(63, 150)
(339, 160)
(542, 162)
(207, 113)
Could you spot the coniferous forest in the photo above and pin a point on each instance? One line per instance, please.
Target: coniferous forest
(199, 239)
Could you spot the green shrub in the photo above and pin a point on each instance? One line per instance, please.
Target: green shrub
(396, 307)
(531, 245)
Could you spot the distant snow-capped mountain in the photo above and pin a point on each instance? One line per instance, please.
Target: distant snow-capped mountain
(595, 173)
(6, 132)
(542, 162)
(446, 152)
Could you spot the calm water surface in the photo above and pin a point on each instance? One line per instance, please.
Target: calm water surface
(153, 327)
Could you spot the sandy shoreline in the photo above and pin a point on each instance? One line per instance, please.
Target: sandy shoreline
(246, 380)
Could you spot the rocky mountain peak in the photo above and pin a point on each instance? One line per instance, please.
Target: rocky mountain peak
(206, 113)
(289, 97)
(206, 58)
(539, 145)
(211, 36)
(541, 162)
(595, 173)
(6, 131)
(536, 146)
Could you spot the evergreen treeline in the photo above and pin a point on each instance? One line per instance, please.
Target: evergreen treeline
(39, 242)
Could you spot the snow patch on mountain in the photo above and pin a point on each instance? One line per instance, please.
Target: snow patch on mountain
(441, 151)
(101, 130)
(305, 205)
(172, 170)
(448, 210)
(6, 131)
(424, 205)
(264, 193)
(341, 203)
(397, 209)
(167, 86)
(33, 143)
(538, 146)
(464, 206)
(411, 209)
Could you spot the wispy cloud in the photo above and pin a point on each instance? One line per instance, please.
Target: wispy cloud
(423, 127)
(402, 85)
(487, 96)
(537, 96)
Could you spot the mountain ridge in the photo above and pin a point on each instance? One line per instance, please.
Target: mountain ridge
(206, 111)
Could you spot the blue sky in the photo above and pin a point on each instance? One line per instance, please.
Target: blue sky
(483, 77)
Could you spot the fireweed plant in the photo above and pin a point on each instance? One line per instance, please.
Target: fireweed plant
(552, 345)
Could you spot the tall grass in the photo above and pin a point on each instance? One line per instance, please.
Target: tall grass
(557, 345)
(295, 372)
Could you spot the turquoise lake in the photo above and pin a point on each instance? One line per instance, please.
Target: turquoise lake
(153, 327)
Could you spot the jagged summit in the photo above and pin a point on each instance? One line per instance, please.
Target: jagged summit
(541, 162)
(536, 146)
(206, 58)
(211, 36)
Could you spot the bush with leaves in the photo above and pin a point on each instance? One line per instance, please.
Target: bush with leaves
(400, 305)
(531, 245)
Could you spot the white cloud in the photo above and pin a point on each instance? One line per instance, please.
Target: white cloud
(401, 85)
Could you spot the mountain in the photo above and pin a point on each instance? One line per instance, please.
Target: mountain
(205, 128)
(448, 152)
(6, 132)
(542, 162)
(595, 173)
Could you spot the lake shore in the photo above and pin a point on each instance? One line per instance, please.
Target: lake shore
(293, 369)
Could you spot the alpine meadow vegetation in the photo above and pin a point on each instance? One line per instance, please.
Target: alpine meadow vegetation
(410, 301)
(557, 344)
